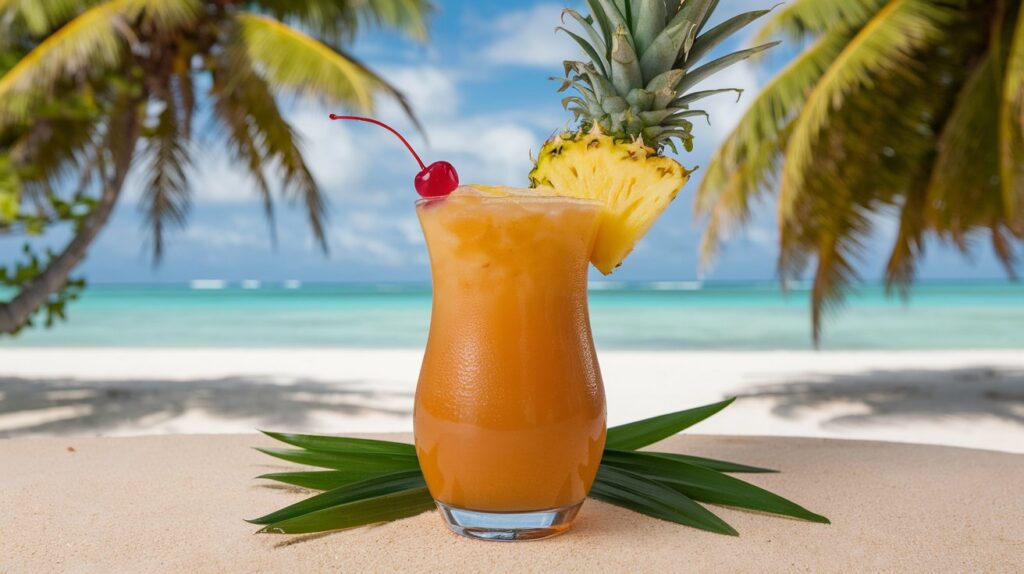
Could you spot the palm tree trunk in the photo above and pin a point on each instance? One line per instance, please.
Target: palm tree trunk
(35, 293)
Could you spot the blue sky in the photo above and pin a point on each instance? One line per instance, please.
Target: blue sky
(481, 89)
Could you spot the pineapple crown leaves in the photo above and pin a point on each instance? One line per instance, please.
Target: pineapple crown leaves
(642, 63)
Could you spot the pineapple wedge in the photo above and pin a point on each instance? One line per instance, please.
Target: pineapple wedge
(634, 184)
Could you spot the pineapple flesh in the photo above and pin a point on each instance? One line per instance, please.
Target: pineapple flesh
(634, 101)
(634, 184)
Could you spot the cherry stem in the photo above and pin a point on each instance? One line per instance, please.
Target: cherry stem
(387, 127)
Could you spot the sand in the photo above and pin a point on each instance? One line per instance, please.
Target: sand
(960, 398)
(175, 504)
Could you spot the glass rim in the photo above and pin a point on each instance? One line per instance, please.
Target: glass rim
(538, 198)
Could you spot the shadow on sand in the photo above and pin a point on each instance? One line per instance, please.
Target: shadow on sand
(56, 407)
(883, 397)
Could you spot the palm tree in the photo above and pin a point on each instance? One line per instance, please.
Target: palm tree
(91, 90)
(912, 109)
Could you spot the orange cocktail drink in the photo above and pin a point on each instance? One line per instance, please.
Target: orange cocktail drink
(510, 408)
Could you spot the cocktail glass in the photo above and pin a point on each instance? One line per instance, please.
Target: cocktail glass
(510, 407)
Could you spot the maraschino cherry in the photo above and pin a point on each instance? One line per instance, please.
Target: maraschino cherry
(435, 180)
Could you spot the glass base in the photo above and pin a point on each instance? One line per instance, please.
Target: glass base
(509, 526)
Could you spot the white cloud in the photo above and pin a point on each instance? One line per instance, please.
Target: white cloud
(763, 236)
(367, 248)
(483, 147)
(236, 233)
(527, 38)
(218, 179)
(336, 154)
(373, 237)
(485, 151)
(432, 91)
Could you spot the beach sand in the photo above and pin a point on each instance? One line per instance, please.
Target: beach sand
(959, 398)
(176, 504)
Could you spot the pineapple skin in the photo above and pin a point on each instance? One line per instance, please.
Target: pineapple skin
(634, 183)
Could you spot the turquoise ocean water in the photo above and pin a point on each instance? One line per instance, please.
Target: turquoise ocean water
(625, 316)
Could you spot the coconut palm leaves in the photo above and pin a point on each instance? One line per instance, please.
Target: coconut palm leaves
(165, 198)
(374, 481)
(801, 19)
(328, 74)
(333, 21)
(80, 66)
(91, 44)
(90, 41)
(905, 106)
(34, 17)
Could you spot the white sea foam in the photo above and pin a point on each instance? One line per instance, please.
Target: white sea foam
(208, 284)
(605, 285)
(676, 285)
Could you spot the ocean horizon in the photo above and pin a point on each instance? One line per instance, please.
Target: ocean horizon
(667, 315)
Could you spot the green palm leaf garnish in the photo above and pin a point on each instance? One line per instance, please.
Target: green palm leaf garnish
(323, 479)
(369, 488)
(642, 494)
(343, 444)
(344, 460)
(706, 485)
(649, 431)
(384, 508)
(377, 481)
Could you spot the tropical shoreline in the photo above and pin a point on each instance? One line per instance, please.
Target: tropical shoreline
(746, 316)
(968, 398)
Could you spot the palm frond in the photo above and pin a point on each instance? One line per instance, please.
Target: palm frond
(335, 21)
(962, 208)
(830, 230)
(1011, 128)
(92, 42)
(37, 17)
(183, 91)
(261, 137)
(912, 107)
(408, 16)
(886, 44)
(877, 153)
(835, 271)
(744, 165)
(1002, 246)
(10, 192)
(167, 197)
(296, 63)
(801, 19)
(90, 45)
(827, 229)
(951, 164)
(233, 116)
(163, 16)
(964, 188)
(908, 247)
(904, 171)
(51, 150)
